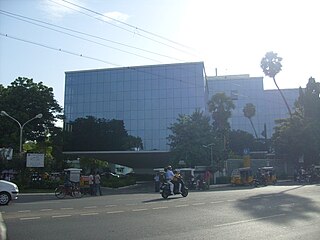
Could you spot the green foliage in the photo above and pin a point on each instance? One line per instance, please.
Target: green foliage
(249, 111)
(96, 134)
(113, 182)
(23, 100)
(189, 134)
(300, 135)
(271, 64)
(90, 164)
(220, 107)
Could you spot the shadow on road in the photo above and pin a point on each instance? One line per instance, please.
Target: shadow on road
(292, 207)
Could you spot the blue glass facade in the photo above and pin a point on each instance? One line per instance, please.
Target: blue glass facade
(147, 98)
(244, 89)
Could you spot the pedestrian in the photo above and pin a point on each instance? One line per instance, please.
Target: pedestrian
(97, 181)
(91, 184)
(157, 182)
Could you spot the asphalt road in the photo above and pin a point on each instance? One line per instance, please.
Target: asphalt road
(272, 212)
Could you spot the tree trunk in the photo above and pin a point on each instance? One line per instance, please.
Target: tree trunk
(254, 129)
(284, 99)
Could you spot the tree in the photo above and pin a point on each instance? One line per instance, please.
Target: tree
(249, 111)
(98, 134)
(300, 135)
(189, 134)
(240, 140)
(271, 66)
(220, 107)
(23, 100)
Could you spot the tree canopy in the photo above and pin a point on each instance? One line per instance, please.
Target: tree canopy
(23, 100)
(299, 136)
(189, 134)
(249, 111)
(99, 134)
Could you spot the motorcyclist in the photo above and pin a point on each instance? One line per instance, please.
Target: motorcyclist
(169, 177)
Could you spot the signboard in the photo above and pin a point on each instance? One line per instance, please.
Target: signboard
(6, 153)
(35, 160)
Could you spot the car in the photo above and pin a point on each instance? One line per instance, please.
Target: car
(8, 191)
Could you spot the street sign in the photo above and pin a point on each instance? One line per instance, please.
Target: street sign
(35, 160)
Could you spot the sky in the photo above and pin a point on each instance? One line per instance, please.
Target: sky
(231, 36)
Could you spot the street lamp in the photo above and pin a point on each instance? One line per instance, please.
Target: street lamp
(211, 156)
(3, 113)
(211, 152)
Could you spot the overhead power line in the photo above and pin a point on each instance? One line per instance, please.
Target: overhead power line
(117, 26)
(129, 25)
(58, 49)
(18, 16)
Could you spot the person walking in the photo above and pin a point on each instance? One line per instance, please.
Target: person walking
(91, 184)
(97, 181)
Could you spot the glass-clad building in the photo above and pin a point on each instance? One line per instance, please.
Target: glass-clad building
(244, 89)
(147, 98)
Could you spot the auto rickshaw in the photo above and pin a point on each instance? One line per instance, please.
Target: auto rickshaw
(242, 176)
(266, 176)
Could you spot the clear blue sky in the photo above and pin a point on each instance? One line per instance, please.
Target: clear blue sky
(230, 35)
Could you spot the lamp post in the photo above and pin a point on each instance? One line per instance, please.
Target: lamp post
(3, 113)
(211, 155)
(211, 152)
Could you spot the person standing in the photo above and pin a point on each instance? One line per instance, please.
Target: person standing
(91, 184)
(97, 181)
(157, 182)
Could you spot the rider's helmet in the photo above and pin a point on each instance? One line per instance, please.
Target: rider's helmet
(169, 167)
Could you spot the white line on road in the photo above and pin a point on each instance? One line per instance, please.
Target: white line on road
(61, 216)
(115, 212)
(46, 210)
(24, 211)
(67, 208)
(197, 204)
(149, 203)
(90, 207)
(129, 204)
(156, 208)
(217, 202)
(182, 205)
(249, 220)
(29, 218)
(139, 209)
(89, 214)
(110, 205)
(232, 200)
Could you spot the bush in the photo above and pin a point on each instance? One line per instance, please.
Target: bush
(117, 182)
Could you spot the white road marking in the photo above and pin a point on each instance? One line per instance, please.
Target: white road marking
(29, 218)
(232, 200)
(89, 214)
(217, 202)
(90, 207)
(110, 205)
(156, 208)
(197, 204)
(139, 209)
(115, 212)
(46, 209)
(249, 220)
(67, 208)
(150, 203)
(24, 211)
(61, 216)
(129, 204)
(182, 205)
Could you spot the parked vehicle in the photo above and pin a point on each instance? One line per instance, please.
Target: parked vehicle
(73, 190)
(265, 176)
(165, 190)
(242, 176)
(8, 191)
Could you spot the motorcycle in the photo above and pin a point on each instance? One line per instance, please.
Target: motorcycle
(165, 190)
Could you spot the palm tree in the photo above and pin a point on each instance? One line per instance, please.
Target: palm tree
(249, 111)
(271, 66)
